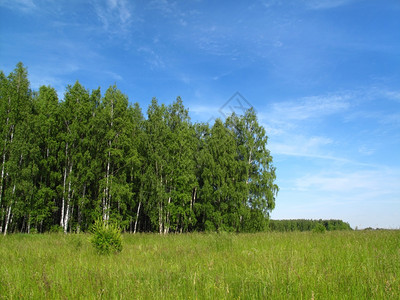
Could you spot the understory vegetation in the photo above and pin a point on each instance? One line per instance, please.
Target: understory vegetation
(64, 163)
(274, 265)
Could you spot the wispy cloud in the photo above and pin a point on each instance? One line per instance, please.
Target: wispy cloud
(164, 6)
(366, 150)
(172, 10)
(113, 75)
(301, 146)
(22, 5)
(310, 107)
(355, 185)
(153, 59)
(286, 124)
(344, 193)
(115, 15)
(326, 4)
(395, 95)
(295, 126)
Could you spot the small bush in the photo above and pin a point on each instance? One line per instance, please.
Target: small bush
(319, 228)
(106, 238)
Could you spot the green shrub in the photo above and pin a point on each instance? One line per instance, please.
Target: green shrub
(106, 237)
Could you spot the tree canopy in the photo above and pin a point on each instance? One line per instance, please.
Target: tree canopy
(66, 163)
(307, 225)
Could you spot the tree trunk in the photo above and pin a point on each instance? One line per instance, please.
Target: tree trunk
(106, 189)
(7, 220)
(137, 217)
(64, 187)
(107, 200)
(2, 174)
(9, 213)
(248, 172)
(66, 217)
(167, 224)
(29, 223)
(160, 218)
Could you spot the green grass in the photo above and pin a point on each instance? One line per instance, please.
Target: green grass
(333, 265)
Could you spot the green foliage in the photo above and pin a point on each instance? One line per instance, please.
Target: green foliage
(307, 225)
(319, 228)
(106, 237)
(66, 162)
(56, 229)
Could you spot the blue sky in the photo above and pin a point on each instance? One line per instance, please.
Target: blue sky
(324, 77)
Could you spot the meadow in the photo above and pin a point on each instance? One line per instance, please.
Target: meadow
(293, 265)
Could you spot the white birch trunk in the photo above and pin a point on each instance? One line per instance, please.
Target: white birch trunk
(167, 225)
(9, 214)
(7, 220)
(64, 188)
(66, 217)
(106, 189)
(137, 217)
(106, 215)
(2, 174)
(160, 217)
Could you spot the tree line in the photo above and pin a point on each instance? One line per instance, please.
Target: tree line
(66, 163)
(307, 225)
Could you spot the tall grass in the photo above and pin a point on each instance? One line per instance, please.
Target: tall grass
(334, 265)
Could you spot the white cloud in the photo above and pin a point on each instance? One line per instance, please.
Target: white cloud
(288, 125)
(370, 183)
(295, 126)
(298, 145)
(326, 4)
(165, 7)
(22, 5)
(395, 95)
(310, 107)
(367, 196)
(153, 59)
(115, 16)
(113, 75)
(366, 150)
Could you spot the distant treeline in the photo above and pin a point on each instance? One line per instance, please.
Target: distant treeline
(307, 225)
(65, 163)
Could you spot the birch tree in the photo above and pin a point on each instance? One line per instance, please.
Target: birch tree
(15, 108)
(46, 134)
(76, 113)
(182, 179)
(255, 161)
(116, 130)
(63, 164)
(155, 176)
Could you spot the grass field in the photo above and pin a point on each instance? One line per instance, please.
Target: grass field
(334, 265)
